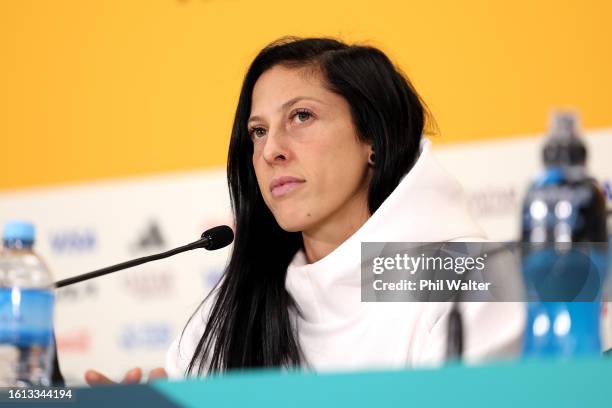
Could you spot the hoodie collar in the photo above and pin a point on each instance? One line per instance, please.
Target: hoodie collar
(428, 205)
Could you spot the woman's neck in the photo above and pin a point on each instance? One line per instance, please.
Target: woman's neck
(324, 238)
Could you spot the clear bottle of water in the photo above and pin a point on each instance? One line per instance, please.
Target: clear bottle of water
(26, 311)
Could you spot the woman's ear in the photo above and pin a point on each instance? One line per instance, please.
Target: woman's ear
(372, 158)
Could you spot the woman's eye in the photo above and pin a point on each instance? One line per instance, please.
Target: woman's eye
(302, 116)
(257, 132)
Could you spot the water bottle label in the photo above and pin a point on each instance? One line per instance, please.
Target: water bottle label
(26, 316)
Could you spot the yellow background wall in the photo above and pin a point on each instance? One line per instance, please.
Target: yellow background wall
(111, 88)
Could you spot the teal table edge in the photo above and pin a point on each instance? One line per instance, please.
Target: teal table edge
(558, 383)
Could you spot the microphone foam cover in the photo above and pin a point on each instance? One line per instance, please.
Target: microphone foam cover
(218, 237)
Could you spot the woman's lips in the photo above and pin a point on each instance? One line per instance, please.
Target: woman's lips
(284, 187)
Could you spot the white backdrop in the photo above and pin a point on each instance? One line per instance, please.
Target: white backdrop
(129, 318)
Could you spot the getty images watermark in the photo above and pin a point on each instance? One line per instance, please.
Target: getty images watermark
(482, 271)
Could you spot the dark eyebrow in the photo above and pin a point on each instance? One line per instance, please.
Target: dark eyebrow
(288, 104)
(295, 100)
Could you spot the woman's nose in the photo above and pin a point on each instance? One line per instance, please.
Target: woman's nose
(275, 147)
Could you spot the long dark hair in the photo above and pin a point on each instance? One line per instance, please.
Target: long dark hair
(249, 323)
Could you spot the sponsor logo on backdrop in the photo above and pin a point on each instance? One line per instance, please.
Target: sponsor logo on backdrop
(146, 336)
(494, 201)
(149, 239)
(150, 283)
(211, 276)
(607, 186)
(76, 293)
(73, 241)
(75, 341)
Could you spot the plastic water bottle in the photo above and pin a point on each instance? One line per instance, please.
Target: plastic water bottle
(564, 210)
(26, 311)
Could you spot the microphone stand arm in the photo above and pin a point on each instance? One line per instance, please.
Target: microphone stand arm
(201, 243)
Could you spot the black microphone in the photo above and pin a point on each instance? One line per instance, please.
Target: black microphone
(214, 238)
(455, 335)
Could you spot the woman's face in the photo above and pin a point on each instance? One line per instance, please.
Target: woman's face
(311, 167)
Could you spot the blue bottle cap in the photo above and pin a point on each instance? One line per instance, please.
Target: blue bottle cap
(18, 231)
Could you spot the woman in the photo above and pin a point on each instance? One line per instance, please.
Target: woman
(326, 152)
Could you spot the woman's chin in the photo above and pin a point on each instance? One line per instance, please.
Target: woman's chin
(291, 227)
(290, 224)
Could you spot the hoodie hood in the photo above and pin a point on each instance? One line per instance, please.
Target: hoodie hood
(428, 205)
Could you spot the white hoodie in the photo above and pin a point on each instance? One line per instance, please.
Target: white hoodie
(339, 332)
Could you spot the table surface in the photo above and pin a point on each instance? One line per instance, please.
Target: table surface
(567, 383)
